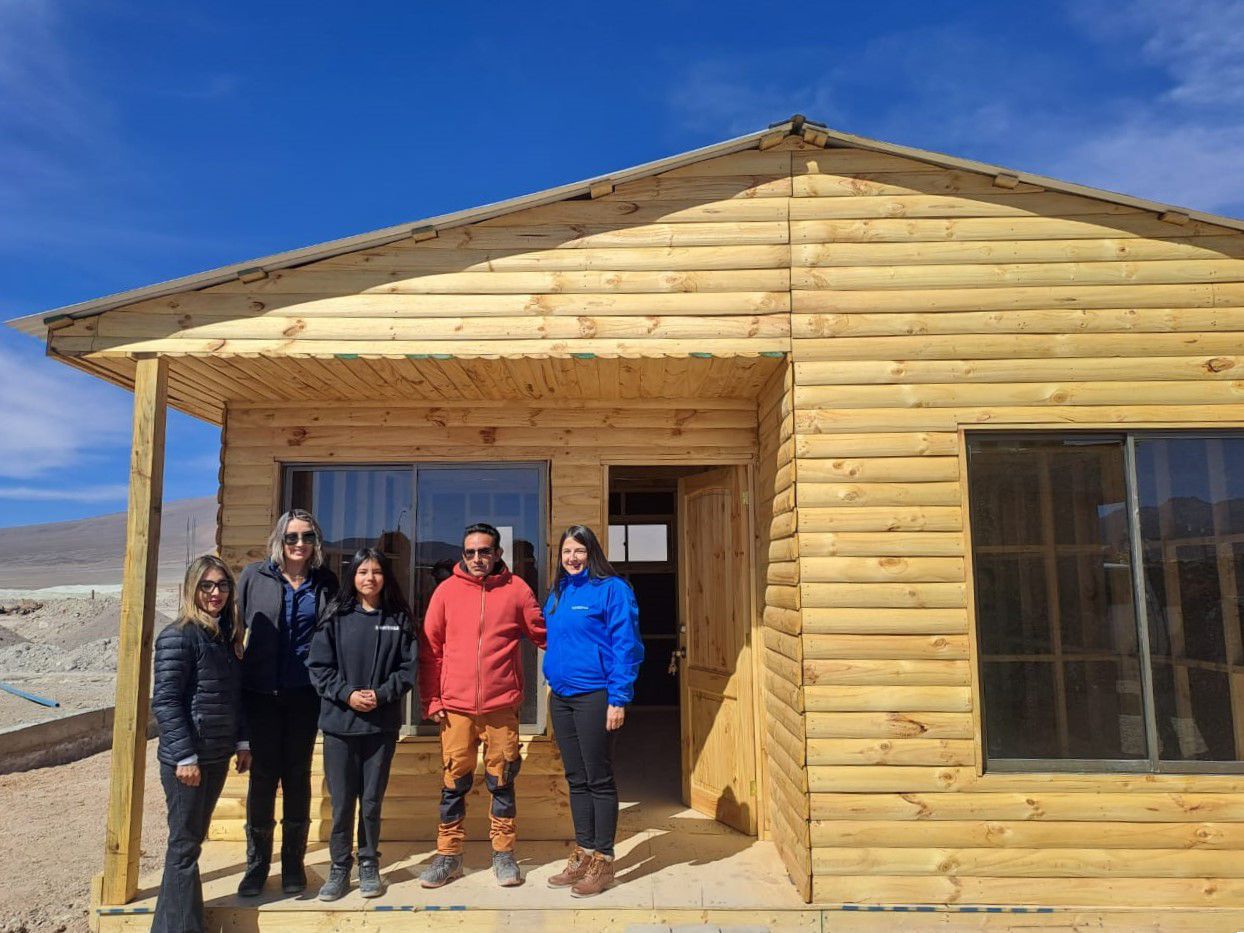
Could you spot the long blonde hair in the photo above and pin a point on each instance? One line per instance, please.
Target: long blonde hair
(191, 614)
(276, 540)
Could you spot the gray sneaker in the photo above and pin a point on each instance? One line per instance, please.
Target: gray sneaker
(444, 869)
(506, 869)
(337, 885)
(370, 883)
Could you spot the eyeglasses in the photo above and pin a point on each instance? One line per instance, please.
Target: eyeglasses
(470, 552)
(293, 537)
(211, 586)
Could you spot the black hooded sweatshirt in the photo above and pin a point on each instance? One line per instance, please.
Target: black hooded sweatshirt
(355, 649)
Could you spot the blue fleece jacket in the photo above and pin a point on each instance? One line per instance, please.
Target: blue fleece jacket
(594, 641)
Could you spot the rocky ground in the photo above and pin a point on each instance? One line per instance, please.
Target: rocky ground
(52, 841)
(64, 649)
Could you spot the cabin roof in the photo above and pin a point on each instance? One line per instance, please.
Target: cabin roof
(37, 324)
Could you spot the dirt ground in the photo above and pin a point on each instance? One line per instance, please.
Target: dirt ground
(65, 650)
(52, 841)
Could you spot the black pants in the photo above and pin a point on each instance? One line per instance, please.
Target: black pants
(357, 768)
(179, 907)
(587, 755)
(282, 736)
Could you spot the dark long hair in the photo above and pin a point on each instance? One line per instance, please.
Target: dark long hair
(598, 566)
(392, 602)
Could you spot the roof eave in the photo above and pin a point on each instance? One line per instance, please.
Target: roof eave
(37, 325)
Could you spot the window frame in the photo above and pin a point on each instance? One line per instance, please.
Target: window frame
(411, 730)
(1152, 764)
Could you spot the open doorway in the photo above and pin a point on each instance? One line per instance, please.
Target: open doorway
(679, 534)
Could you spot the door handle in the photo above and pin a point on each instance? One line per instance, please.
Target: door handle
(675, 656)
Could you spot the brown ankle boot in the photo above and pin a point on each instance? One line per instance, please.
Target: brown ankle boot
(598, 877)
(576, 868)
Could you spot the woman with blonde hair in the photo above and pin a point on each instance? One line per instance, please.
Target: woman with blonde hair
(281, 598)
(197, 705)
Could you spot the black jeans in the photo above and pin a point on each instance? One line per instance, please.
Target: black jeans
(282, 736)
(587, 755)
(179, 907)
(357, 768)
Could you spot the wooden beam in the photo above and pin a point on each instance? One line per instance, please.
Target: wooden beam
(133, 704)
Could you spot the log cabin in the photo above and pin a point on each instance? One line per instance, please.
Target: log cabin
(928, 475)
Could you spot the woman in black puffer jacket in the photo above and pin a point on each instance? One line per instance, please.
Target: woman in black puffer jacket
(197, 704)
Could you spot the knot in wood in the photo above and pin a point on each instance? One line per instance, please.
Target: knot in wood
(1219, 364)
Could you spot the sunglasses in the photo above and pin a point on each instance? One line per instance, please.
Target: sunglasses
(293, 537)
(471, 552)
(211, 586)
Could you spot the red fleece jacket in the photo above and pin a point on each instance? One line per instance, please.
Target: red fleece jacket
(469, 660)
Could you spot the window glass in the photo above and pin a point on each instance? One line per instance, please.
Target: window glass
(1059, 651)
(417, 516)
(1191, 496)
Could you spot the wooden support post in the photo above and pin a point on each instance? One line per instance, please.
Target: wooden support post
(142, 545)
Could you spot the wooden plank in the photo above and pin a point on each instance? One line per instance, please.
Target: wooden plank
(1017, 298)
(831, 621)
(395, 258)
(884, 672)
(612, 210)
(1028, 321)
(885, 518)
(824, 445)
(1146, 367)
(910, 230)
(1026, 204)
(886, 751)
(929, 780)
(953, 395)
(123, 830)
(880, 470)
(889, 725)
(862, 699)
(854, 495)
(1162, 893)
(815, 255)
(945, 647)
(882, 595)
(1032, 804)
(993, 275)
(884, 543)
(881, 569)
(994, 834)
(656, 346)
(320, 281)
(1028, 863)
(873, 184)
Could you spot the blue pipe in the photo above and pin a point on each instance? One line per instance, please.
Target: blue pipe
(33, 698)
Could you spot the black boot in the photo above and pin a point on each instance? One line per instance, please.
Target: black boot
(258, 859)
(293, 849)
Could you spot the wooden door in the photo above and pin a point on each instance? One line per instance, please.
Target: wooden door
(718, 729)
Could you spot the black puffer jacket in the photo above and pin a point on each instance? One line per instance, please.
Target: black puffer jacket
(197, 695)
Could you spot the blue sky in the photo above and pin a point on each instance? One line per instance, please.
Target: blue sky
(140, 141)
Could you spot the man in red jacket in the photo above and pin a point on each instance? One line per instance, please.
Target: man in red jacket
(471, 682)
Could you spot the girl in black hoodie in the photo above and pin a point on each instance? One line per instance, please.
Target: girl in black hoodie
(362, 661)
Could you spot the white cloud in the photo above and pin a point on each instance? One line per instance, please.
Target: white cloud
(1067, 111)
(114, 493)
(53, 418)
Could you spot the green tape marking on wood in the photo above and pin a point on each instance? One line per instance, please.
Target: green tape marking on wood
(702, 356)
(346, 356)
(584, 356)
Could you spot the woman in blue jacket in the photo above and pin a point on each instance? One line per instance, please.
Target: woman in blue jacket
(593, 655)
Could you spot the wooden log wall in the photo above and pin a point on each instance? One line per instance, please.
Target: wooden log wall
(925, 302)
(784, 763)
(575, 437)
